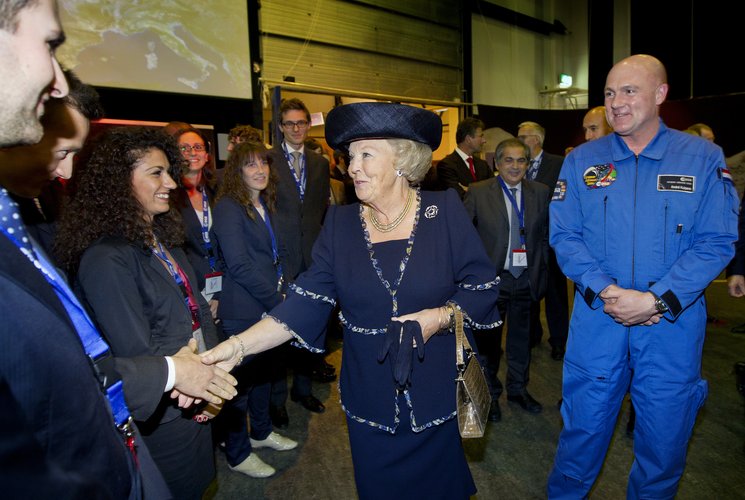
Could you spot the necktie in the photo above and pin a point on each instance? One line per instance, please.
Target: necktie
(514, 237)
(470, 165)
(296, 162)
(532, 170)
(11, 223)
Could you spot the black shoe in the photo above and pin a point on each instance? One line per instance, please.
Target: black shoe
(310, 403)
(279, 417)
(526, 402)
(323, 377)
(557, 353)
(495, 413)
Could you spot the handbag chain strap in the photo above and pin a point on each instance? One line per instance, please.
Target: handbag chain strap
(461, 341)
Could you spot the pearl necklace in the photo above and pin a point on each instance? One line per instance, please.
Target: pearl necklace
(387, 228)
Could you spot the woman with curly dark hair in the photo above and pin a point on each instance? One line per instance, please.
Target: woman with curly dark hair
(253, 283)
(120, 239)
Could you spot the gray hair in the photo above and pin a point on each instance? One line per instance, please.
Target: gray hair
(9, 10)
(413, 158)
(540, 131)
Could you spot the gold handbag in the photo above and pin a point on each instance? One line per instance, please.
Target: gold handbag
(472, 398)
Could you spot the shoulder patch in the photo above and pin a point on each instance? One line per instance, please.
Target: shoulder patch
(560, 191)
(725, 174)
(600, 176)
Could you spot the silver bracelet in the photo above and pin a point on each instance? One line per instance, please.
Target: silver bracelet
(243, 350)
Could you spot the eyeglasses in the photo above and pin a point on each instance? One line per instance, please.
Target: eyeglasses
(300, 124)
(510, 160)
(188, 148)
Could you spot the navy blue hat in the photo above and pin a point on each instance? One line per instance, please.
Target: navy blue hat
(382, 120)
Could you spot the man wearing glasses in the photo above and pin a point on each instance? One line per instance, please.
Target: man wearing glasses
(544, 168)
(302, 198)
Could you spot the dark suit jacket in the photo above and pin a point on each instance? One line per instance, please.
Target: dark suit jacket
(452, 171)
(142, 312)
(548, 170)
(144, 318)
(485, 203)
(58, 401)
(245, 250)
(194, 244)
(298, 222)
(737, 265)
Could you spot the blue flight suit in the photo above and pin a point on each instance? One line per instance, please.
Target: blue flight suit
(665, 222)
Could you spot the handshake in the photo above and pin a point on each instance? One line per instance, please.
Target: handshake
(205, 378)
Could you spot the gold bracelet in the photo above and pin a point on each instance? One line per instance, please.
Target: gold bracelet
(450, 308)
(243, 351)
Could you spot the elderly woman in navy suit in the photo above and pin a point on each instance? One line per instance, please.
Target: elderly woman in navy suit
(121, 239)
(251, 257)
(399, 257)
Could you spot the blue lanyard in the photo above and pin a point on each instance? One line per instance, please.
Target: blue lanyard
(275, 251)
(520, 212)
(160, 252)
(189, 300)
(206, 229)
(94, 345)
(299, 181)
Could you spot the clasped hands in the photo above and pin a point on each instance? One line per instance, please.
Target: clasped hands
(630, 307)
(196, 382)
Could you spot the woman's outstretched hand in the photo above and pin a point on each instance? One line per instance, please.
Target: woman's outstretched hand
(225, 355)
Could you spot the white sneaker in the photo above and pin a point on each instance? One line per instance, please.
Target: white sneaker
(275, 442)
(253, 466)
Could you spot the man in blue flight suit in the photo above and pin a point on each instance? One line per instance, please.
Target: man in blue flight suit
(641, 220)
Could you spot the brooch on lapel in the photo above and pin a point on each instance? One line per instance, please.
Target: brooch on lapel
(431, 211)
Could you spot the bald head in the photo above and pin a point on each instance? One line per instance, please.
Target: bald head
(634, 90)
(595, 124)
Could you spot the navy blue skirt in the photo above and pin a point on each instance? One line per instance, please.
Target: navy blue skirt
(428, 464)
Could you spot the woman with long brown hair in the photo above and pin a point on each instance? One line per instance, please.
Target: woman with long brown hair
(253, 283)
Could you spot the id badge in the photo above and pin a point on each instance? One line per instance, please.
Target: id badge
(199, 336)
(213, 283)
(519, 258)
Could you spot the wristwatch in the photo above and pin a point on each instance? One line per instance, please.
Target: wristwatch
(659, 305)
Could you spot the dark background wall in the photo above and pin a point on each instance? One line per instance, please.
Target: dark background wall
(564, 127)
(698, 40)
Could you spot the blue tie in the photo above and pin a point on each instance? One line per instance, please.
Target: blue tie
(12, 225)
(532, 170)
(514, 238)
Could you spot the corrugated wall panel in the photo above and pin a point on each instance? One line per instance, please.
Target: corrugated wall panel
(437, 11)
(360, 47)
(360, 71)
(361, 27)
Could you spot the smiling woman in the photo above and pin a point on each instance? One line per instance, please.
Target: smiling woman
(124, 231)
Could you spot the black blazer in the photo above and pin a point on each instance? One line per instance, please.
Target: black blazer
(298, 222)
(245, 249)
(485, 203)
(49, 381)
(737, 265)
(452, 171)
(142, 313)
(548, 170)
(194, 244)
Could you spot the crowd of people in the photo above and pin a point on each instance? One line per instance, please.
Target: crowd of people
(155, 305)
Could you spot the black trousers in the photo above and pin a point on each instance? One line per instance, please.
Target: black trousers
(514, 307)
(557, 308)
